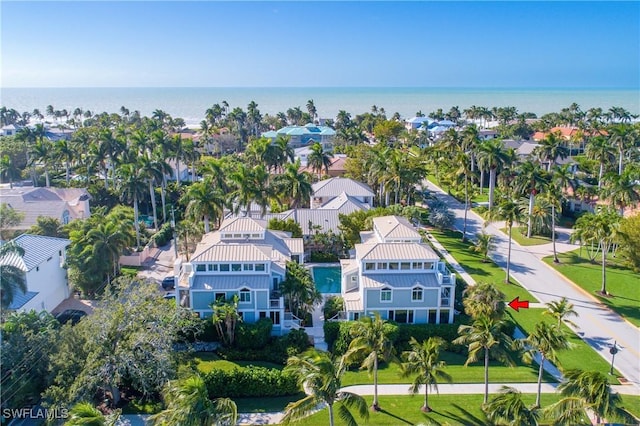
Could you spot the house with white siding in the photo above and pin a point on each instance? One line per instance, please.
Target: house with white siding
(328, 189)
(244, 259)
(397, 275)
(46, 276)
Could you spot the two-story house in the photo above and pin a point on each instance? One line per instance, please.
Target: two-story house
(45, 274)
(244, 259)
(300, 136)
(395, 274)
(328, 189)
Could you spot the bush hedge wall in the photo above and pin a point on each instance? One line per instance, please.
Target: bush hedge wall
(250, 382)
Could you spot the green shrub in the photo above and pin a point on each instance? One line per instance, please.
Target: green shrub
(278, 350)
(163, 236)
(332, 306)
(250, 382)
(323, 257)
(253, 336)
(331, 331)
(129, 271)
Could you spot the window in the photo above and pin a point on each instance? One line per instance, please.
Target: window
(356, 316)
(432, 316)
(213, 267)
(403, 316)
(385, 295)
(382, 265)
(248, 266)
(444, 316)
(262, 314)
(201, 267)
(245, 296)
(221, 297)
(260, 267)
(445, 295)
(393, 266)
(354, 278)
(275, 317)
(235, 267)
(369, 266)
(416, 294)
(224, 267)
(405, 265)
(417, 265)
(428, 265)
(237, 235)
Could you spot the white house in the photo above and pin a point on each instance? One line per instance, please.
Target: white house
(328, 189)
(395, 274)
(43, 263)
(245, 259)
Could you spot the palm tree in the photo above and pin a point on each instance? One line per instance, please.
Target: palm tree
(484, 300)
(621, 136)
(319, 159)
(485, 337)
(621, 190)
(551, 148)
(531, 179)
(188, 404)
(599, 149)
(508, 408)
(295, 185)
(85, 414)
(133, 187)
(545, 341)
(41, 152)
(423, 359)
(203, 199)
(13, 280)
(586, 389)
(560, 310)
(152, 171)
(606, 223)
(492, 155)
(63, 150)
(370, 339)
(483, 245)
(511, 212)
(321, 377)
(552, 197)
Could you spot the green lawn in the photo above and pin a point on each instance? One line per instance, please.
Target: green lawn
(447, 410)
(580, 356)
(472, 263)
(632, 404)
(622, 283)
(474, 373)
(519, 236)
(207, 361)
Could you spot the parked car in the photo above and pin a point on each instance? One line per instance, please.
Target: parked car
(170, 296)
(73, 315)
(169, 283)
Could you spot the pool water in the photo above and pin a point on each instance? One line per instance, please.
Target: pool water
(327, 279)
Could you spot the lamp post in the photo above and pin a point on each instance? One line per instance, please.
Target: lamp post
(613, 351)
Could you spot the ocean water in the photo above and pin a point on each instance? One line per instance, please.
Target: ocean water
(190, 103)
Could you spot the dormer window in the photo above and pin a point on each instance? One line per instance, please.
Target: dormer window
(245, 296)
(416, 294)
(385, 295)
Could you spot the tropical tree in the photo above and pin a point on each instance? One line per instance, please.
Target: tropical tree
(133, 186)
(42, 153)
(295, 185)
(370, 339)
(153, 171)
(551, 148)
(508, 408)
(13, 279)
(485, 337)
(484, 300)
(299, 290)
(621, 190)
(321, 377)
(225, 319)
(544, 342)
(560, 310)
(492, 156)
(85, 414)
(586, 389)
(483, 245)
(511, 212)
(531, 179)
(188, 403)
(622, 137)
(599, 149)
(319, 159)
(204, 200)
(423, 360)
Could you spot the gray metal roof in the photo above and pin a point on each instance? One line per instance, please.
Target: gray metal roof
(231, 282)
(395, 251)
(37, 249)
(345, 204)
(400, 280)
(234, 253)
(337, 185)
(395, 227)
(21, 299)
(48, 202)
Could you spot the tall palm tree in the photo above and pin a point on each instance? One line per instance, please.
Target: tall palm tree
(511, 212)
(463, 170)
(551, 148)
(553, 197)
(492, 156)
(621, 136)
(621, 190)
(423, 359)
(133, 187)
(319, 159)
(42, 152)
(370, 339)
(13, 280)
(531, 179)
(560, 310)
(321, 377)
(545, 340)
(153, 172)
(508, 408)
(586, 389)
(295, 185)
(204, 200)
(188, 404)
(485, 337)
(599, 149)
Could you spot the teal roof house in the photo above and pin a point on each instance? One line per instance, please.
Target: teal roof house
(395, 274)
(245, 259)
(301, 136)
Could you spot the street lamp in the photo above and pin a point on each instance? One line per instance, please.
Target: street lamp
(613, 351)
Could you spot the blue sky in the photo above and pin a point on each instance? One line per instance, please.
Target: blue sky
(308, 44)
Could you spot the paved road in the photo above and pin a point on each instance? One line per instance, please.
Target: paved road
(599, 326)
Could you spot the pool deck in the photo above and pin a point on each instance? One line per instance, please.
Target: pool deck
(322, 265)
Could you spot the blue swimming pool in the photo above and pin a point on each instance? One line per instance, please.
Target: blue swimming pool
(327, 279)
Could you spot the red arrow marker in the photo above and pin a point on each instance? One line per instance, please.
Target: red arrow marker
(517, 304)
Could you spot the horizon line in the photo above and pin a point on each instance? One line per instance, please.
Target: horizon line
(340, 87)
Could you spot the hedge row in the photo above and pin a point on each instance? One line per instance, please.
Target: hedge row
(250, 382)
(278, 350)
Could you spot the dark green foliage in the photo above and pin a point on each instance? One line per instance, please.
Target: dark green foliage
(278, 350)
(332, 306)
(253, 336)
(288, 225)
(323, 257)
(250, 382)
(163, 236)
